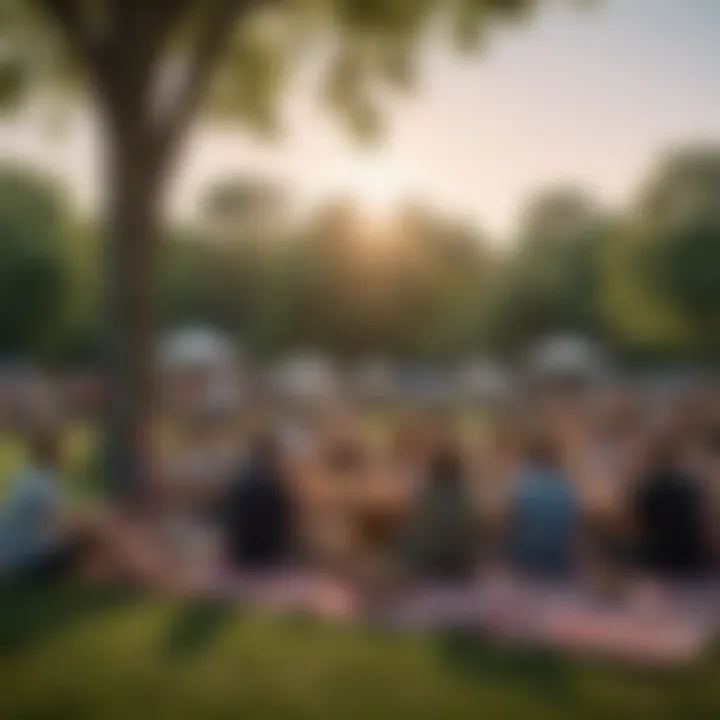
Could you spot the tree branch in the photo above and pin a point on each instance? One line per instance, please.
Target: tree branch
(216, 30)
(70, 18)
(147, 26)
(166, 18)
(137, 31)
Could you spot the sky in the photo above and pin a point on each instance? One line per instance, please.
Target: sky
(573, 98)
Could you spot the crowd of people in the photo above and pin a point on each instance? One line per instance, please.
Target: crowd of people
(607, 492)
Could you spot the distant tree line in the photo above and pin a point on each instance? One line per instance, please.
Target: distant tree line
(644, 281)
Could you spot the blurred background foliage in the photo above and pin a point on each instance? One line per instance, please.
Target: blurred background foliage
(643, 279)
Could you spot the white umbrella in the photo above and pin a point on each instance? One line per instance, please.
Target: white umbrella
(197, 348)
(306, 376)
(567, 356)
(214, 355)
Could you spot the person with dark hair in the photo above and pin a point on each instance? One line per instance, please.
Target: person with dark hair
(544, 516)
(441, 538)
(261, 511)
(669, 508)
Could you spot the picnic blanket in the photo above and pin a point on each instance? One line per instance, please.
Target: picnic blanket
(290, 590)
(670, 626)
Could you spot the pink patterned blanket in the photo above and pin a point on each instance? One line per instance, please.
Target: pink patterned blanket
(668, 625)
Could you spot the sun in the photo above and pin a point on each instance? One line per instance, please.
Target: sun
(373, 184)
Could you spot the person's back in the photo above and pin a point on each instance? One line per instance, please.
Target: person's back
(669, 510)
(27, 532)
(442, 538)
(543, 520)
(260, 513)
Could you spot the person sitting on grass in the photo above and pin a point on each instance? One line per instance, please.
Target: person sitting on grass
(41, 537)
(670, 511)
(30, 537)
(441, 541)
(544, 516)
(261, 512)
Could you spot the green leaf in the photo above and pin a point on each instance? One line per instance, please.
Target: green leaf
(13, 82)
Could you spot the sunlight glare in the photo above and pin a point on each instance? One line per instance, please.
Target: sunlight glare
(374, 186)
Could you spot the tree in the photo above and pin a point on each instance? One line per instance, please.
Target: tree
(34, 276)
(663, 289)
(553, 277)
(247, 220)
(81, 338)
(149, 67)
(407, 286)
(245, 210)
(439, 286)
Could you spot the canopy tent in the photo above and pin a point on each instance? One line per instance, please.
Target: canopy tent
(305, 377)
(198, 347)
(567, 357)
(204, 367)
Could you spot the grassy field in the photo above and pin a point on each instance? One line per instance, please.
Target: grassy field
(66, 653)
(72, 653)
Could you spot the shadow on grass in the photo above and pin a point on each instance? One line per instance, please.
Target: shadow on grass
(195, 627)
(534, 669)
(33, 612)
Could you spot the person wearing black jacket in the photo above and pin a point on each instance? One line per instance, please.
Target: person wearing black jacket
(260, 511)
(670, 513)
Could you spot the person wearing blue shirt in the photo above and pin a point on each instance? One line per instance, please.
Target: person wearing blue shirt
(42, 538)
(30, 536)
(544, 517)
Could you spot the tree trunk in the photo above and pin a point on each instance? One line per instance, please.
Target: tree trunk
(132, 236)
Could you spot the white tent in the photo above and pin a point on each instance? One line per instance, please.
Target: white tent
(197, 348)
(306, 376)
(211, 358)
(567, 357)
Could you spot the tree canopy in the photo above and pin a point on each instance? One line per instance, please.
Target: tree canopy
(34, 284)
(419, 285)
(231, 57)
(663, 269)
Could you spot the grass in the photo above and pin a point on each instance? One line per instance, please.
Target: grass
(70, 653)
(74, 653)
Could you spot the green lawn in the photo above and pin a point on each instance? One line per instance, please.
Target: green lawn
(75, 654)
